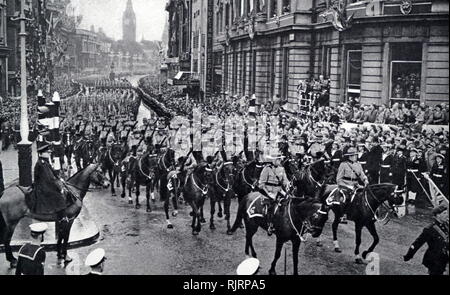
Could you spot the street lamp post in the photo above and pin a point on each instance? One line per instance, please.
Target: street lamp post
(24, 146)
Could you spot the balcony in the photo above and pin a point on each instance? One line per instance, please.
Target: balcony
(263, 25)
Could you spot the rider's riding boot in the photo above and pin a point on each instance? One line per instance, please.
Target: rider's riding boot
(270, 213)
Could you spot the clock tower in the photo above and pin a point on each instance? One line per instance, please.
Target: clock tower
(129, 23)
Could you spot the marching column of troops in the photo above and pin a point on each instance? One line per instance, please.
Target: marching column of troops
(108, 115)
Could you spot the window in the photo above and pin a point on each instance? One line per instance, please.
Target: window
(244, 72)
(273, 11)
(354, 61)
(225, 70)
(235, 69)
(272, 73)
(285, 78)
(406, 68)
(227, 14)
(286, 6)
(253, 72)
(326, 62)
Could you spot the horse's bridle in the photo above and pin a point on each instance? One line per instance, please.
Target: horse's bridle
(252, 186)
(142, 171)
(228, 182)
(161, 160)
(204, 190)
(116, 163)
(378, 202)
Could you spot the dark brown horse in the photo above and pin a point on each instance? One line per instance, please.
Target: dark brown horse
(222, 192)
(13, 207)
(195, 191)
(362, 211)
(296, 217)
(143, 173)
(246, 179)
(166, 165)
(112, 164)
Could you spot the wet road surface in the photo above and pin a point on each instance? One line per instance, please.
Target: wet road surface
(137, 242)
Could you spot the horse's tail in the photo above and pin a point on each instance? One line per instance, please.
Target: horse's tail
(240, 215)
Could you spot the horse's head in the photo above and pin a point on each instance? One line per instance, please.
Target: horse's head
(387, 192)
(170, 157)
(317, 220)
(151, 162)
(98, 178)
(226, 172)
(291, 168)
(116, 153)
(204, 173)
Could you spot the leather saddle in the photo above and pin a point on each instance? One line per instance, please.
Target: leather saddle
(32, 199)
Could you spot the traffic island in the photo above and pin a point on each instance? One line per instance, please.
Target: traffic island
(84, 232)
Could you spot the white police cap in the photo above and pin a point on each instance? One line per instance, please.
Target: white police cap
(38, 228)
(248, 267)
(95, 257)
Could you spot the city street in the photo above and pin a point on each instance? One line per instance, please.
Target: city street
(137, 242)
(281, 103)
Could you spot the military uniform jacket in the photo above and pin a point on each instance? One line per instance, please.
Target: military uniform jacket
(386, 169)
(374, 159)
(414, 167)
(31, 260)
(350, 174)
(436, 256)
(399, 171)
(272, 179)
(335, 159)
(362, 159)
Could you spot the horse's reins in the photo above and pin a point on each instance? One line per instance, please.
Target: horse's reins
(204, 191)
(140, 168)
(245, 180)
(116, 163)
(163, 163)
(217, 178)
(370, 207)
(312, 178)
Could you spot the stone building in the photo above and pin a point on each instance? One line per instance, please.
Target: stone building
(382, 51)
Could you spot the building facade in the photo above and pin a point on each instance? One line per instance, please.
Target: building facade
(381, 51)
(179, 46)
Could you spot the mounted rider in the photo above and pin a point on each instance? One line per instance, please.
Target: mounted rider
(350, 174)
(50, 191)
(273, 184)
